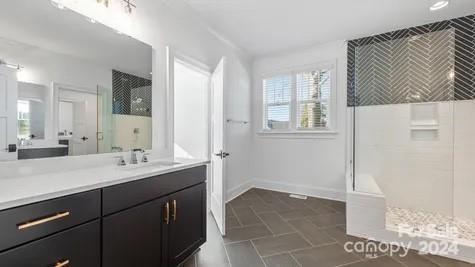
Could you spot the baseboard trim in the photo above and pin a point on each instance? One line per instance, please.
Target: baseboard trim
(287, 188)
(318, 192)
(238, 190)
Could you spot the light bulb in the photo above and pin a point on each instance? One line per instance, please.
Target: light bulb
(439, 4)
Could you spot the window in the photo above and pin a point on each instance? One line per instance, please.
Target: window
(24, 119)
(277, 95)
(299, 101)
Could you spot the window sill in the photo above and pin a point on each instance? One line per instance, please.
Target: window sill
(321, 134)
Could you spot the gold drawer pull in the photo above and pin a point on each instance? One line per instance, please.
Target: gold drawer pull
(62, 263)
(167, 213)
(43, 220)
(174, 210)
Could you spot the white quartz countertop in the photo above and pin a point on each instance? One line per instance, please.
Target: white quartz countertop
(18, 191)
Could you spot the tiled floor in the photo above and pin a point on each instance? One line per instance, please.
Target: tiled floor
(266, 228)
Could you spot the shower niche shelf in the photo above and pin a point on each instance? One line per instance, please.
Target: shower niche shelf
(424, 125)
(424, 115)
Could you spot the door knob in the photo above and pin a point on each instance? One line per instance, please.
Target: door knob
(84, 138)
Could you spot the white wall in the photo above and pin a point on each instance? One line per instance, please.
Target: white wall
(191, 114)
(160, 25)
(309, 166)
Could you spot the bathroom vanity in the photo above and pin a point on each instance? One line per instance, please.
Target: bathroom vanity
(156, 216)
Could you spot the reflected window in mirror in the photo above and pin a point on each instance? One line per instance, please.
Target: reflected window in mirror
(24, 131)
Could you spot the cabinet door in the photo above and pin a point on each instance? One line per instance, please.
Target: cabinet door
(187, 228)
(133, 238)
(78, 247)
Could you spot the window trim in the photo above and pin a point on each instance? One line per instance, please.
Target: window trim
(294, 131)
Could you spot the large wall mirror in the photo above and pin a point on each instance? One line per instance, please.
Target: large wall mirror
(69, 85)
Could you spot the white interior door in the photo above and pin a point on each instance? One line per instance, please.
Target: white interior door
(218, 155)
(8, 112)
(80, 137)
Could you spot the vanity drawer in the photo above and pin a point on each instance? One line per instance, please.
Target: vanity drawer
(120, 197)
(78, 247)
(26, 223)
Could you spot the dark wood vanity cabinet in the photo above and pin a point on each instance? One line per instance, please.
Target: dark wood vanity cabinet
(133, 238)
(156, 221)
(78, 246)
(160, 232)
(187, 227)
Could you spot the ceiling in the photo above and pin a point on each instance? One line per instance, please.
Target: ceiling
(263, 27)
(29, 26)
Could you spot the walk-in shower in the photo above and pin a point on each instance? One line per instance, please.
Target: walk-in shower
(411, 94)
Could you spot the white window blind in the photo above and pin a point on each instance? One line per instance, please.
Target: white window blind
(277, 101)
(313, 99)
(300, 102)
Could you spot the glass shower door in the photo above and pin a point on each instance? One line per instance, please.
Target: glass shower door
(104, 120)
(404, 126)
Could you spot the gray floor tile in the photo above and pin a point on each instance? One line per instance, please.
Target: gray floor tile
(311, 232)
(282, 260)
(243, 254)
(229, 211)
(413, 259)
(328, 220)
(297, 213)
(280, 206)
(324, 256)
(275, 223)
(339, 234)
(383, 261)
(246, 233)
(447, 262)
(261, 207)
(293, 202)
(246, 216)
(250, 194)
(212, 253)
(320, 209)
(278, 244)
(240, 202)
(232, 222)
(339, 206)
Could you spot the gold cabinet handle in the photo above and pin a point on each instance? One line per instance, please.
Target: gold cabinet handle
(174, 210)
(43, 220)
(62, 263)
(167, 213)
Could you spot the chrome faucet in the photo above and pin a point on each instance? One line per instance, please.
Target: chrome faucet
(133, 155)
(121, 161)
(145, 157)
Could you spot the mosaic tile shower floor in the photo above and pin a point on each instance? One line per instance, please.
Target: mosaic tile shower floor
(436, 223)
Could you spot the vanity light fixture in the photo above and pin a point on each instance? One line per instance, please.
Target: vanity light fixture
(105, 2)
(11, 66)
(129, 6)
(438, 4)
(58, 4)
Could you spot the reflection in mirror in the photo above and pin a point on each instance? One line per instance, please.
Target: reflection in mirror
(80, 87)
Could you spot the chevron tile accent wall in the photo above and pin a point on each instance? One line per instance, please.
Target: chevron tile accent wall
(131, 95)
(434, 62)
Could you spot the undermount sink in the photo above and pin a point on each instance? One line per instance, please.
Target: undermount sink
(155, 163)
